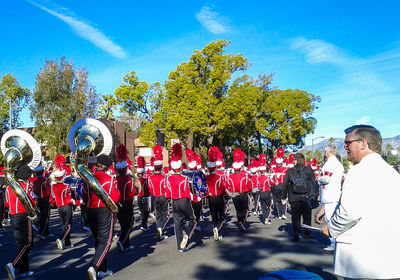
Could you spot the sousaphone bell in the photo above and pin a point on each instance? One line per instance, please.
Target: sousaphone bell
(88, 138)
(19, 147)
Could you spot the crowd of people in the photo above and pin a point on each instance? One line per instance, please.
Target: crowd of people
(179, 191)
(262, 188)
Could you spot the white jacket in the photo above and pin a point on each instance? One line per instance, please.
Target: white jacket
(330, 180)
(367, 241)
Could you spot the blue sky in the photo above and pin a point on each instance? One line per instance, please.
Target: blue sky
(346, 52)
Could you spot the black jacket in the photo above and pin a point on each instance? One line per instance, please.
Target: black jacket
(287, 189)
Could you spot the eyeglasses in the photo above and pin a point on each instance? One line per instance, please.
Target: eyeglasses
(348, 142)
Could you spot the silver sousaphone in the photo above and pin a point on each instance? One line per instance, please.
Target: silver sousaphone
(19, 146)
(88, 138)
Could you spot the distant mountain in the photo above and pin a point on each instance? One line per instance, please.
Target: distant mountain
(339, 142)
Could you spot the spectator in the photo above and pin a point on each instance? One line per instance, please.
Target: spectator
(366, 241)
(296, 194)
(330, 188)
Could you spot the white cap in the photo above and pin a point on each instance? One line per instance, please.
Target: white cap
(279, 160)
(176, 164)
(237, 165)
(192, 164)
(58, 173)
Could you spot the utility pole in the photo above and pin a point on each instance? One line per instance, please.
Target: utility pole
(312, 142)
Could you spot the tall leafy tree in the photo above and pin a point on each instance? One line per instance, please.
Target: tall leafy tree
(62, 95)
(286, 117)
(141, 101)
(107, 107)
(196, 88)
(14, 95)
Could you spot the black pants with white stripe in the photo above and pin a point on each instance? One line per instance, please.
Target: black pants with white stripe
(22, 229)
(125, 218)
(241, 203)
(184, 219)
(101, 225)
(265, 201)
(65, 213)
(217, 210)
(161, 205)
(44, 208)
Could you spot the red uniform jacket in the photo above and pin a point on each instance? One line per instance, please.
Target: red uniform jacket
(144, 190)
(279, 174)
(13, 203)
(61, 195)
(108, 183)
(215, 185)
(255, 184)
(264, 181)
(41, 186)
(126, 187)
(178, 187)
(239, 183)
(157, 184)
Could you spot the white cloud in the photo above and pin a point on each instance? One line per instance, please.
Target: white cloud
(211, 21)
(364, 120)
(86, 31)
(360, 76)
(318, 51)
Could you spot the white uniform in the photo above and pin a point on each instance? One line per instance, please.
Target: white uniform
(367, 244)
(330, 182)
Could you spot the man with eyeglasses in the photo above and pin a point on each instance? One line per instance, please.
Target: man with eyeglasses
(366, 243)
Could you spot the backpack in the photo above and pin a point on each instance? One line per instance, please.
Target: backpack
(300, 184)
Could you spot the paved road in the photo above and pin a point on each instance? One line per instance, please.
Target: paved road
(248, 255)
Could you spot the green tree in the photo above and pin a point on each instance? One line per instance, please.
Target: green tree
(141, 101)
(11, 92)
(107, 108)
(62, 96)
(286, 117)
(195, 89)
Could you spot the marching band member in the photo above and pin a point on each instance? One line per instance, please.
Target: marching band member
(42, 189)
(61, 197)
(195, 175)
(179, 191)
(265, 195)
(126, 187)
(238, 187)
(158, 188)
(21, 224)
(222, 172)
(100, 217)
(255, 185)
(216, 191)
(144, 191)
(279, 175)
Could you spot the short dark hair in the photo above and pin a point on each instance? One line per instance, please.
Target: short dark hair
(23, 172)
(369, 134)
(104, 160)
(299, 157)
(158, 168)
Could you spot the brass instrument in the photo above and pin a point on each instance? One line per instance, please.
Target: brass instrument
(90, 138)
(19, 146)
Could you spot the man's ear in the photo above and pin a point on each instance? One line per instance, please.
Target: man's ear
(364, 145)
